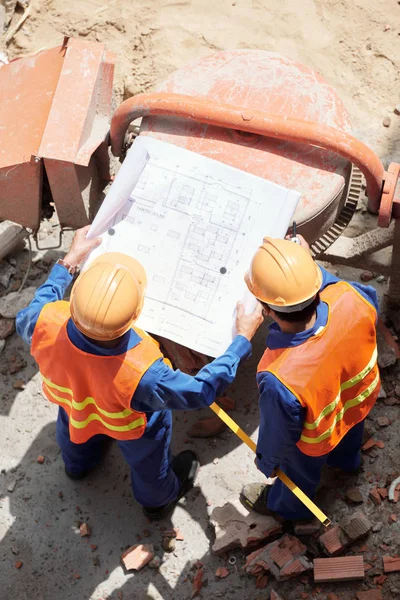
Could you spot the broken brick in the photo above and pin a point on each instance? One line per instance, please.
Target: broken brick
(355, 526)
(198, 582)
(383, 493)
(40, 459)
(93, 547)
(383, 421)
(380, 444)
(333, 541)
(390, 564)
(138, 556)
(332, 596)
(222, 572)
(369, 595)
(368, 444)
(346, 568)
(375, 496)
(207, 427)
(393, 518)
(380, 580)
(262, 582)
(84, 530)
(236, 527)
(18, 564)
(285, 558)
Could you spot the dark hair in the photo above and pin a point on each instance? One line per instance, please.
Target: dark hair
(299, 316)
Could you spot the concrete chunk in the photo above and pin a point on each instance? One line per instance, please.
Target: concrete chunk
(236, 527)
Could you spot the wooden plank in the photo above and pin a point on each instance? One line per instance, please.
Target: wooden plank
(343, 568)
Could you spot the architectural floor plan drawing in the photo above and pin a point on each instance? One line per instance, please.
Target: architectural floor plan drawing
(194, 224)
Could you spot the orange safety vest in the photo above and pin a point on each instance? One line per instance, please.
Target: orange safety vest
(334, 374)
(95, 391)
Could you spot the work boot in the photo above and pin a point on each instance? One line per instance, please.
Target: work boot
(185, 466)
(77, 476)
(254, 497)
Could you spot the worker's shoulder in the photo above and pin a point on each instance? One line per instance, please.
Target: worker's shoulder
(269, 383)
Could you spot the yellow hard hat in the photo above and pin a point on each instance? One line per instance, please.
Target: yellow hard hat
(108, 296)
(283, 275)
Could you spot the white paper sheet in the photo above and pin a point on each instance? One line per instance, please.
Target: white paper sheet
(194, 224)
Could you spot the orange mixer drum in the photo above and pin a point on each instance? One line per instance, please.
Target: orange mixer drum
(266, 81)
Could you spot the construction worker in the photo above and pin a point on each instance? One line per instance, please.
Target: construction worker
(318, 378)
(110, 379)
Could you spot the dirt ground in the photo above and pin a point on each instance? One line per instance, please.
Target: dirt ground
(355, 46)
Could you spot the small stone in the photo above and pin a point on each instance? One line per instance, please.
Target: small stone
(18, 564)
(60, 495)
(366, 276)
(354, 496)
(168, 544)
(222, 572)
(393, 518)
(377, 527)
(96, 561)
(14, 549)
(84, 530)
(155, 563)
(40, 459)
(18, 384)
(397, 109)
(386, 122)
(387, 27)
(380, 279)
(2, 345)
(11, 486)
(93, 547)
(383, 421)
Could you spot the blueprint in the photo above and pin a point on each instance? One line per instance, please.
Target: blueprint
(194, 224)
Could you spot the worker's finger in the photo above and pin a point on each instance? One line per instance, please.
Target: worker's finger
(258, 311)
(239, 310)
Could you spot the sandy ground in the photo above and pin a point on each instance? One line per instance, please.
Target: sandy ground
(351, 45)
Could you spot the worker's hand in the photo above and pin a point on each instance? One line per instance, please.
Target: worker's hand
(303, 242)
(80, 247)
(247, 325)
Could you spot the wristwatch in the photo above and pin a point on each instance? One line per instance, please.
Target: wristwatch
(70, 268)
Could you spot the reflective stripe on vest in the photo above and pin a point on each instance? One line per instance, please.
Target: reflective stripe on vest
(333, 374)
(95, 391)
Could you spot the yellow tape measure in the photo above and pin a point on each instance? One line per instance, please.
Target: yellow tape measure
(284, 478)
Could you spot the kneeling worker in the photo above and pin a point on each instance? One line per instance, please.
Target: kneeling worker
(109, 378)
(318, 378)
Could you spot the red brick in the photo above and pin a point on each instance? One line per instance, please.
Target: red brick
(222, 572)
(18, 564)
(84, 530)
(207, 427)
(226, 402)
(391, 564)
(346, 568)
(380, 444)
(368, 444)
(136, 557)
(383, 492)
(40, 459)
(375, 594)
(333, 541)
(375, 496)
(380, 580)
(262, 582)
(296, 567)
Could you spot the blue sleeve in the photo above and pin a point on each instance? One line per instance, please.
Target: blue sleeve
(281, 422)
(53, 289)
(366, 291)
(162, 388)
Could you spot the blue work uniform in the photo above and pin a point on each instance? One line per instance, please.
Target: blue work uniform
(160, 391)
(282, 418)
